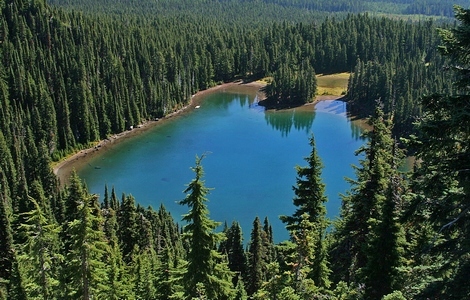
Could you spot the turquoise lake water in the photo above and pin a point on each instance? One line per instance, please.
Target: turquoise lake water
(250, 160)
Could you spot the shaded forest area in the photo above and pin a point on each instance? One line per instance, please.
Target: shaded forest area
(69, 78)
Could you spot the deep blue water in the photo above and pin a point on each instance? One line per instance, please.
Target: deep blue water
(250, 159)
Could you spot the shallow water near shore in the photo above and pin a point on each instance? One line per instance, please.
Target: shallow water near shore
(250, 159)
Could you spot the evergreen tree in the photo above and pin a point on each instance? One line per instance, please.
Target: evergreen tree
(385, 249)
(144, 275)
(442, 178)
(39, 257)
(206, 268)
(256, 259)
(310, 202)
(6, 240)
(369, 216)
(127, 224)
(85, 266)
(118, 280)
(235, 252)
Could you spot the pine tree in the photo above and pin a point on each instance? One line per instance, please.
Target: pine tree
(206, 267)
(369, 216)
(39, 257)
(385, 249)
(310, 201)
(127, 224)
(235, 252)
(442, 177)
(118, 281)
(6, 239)
(256, 261)
(85, 264)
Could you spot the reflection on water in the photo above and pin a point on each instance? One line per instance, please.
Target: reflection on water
(356, 132)
(285, 121)
(301, 119)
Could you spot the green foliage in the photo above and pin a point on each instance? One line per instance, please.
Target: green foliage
(236, 11)
(442, 184)
(396, 295)
(256, 259)
(308, 223)
(206, 272)
(39, 255)
(85, 266)
(370, 237)
(6, 241)
(233, 248)
(291, 85)
(69, 78)
(408, 68)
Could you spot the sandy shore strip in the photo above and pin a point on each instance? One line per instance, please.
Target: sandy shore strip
(64, 168)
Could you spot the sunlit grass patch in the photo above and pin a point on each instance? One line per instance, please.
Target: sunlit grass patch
(332, 84)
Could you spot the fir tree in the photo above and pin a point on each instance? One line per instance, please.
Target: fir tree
(256, 261)
(310, 201)
(235, 252)
(6, 239)
(206, 270)
(39, 257)
(369, 215)
(87, 274)
(442, 178)
(127, 224)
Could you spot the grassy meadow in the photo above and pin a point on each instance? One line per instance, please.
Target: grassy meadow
(332, 84)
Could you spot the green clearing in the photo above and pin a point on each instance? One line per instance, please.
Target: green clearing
(332, 84)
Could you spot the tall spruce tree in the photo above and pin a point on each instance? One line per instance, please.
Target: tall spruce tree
(207, 270)
(256, 261)
(385, 249)
(85, 264)
(39, 257)
(233, 248)
(362, 226)
(6, 239)
(442, 178)
(310, 201)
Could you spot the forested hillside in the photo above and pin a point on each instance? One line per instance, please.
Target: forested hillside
(69, 78)
(268, 10)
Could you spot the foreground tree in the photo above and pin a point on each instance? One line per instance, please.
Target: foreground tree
(442, 180)
(207, 272)
(310, 201)
(369, 217)
(256, 259)
(39, 256)
(6, 241)
(85, 264)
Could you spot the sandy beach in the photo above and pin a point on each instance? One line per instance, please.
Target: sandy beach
(64, 168)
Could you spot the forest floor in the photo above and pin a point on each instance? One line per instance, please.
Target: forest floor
(330, 88)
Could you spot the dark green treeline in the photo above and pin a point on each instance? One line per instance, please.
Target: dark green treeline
(237, 10)
(68, 79)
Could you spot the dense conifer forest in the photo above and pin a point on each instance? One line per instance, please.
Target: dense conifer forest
(75, 72)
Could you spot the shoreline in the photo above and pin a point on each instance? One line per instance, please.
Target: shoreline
(64, 168)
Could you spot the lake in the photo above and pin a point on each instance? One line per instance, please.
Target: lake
(250, 159)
